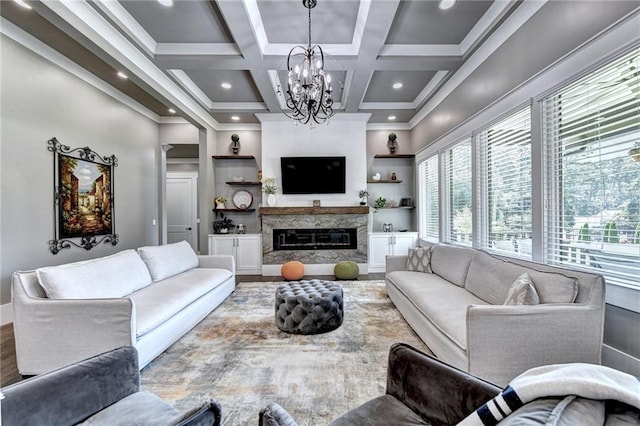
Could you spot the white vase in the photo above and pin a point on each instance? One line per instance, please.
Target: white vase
(220, 206)
(271, 200)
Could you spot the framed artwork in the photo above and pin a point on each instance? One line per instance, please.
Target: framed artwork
(83, 197)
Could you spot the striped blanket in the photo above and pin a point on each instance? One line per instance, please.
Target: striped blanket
(583, 380)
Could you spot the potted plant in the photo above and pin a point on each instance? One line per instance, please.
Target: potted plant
(392, 143)
(363, 194)
(270, 188)
(379, 203)
(220, 200)
(223, 224)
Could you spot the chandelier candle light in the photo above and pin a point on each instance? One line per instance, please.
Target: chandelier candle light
(308, 87)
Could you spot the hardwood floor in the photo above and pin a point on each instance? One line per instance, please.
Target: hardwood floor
(9, 369)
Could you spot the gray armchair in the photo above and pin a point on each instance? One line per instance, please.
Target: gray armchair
(103, 390)
(420, 390)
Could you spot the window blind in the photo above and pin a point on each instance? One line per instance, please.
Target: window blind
(592, 191)
(459, 193)
(504, 184)
(429, 200)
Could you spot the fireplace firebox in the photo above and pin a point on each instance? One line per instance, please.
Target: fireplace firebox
(315, 239)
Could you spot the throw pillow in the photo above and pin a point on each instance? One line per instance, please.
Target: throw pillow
(419, 259)
(522, 292)
(168, 260)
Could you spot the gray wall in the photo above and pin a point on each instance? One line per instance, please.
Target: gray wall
(554, 31)
(40, 101)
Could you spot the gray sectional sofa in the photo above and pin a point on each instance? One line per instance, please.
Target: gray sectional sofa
(147, 298)
(454, 300)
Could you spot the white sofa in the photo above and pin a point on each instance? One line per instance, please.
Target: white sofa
(147, 299)
(457, 308)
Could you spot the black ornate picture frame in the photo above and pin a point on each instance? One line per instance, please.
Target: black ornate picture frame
(83, 197)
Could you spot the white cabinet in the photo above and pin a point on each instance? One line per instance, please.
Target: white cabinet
(246, 248)
(382, 244)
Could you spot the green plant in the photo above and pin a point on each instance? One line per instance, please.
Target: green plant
(223, 222)
(584, 235)
(392, 136)
(235, 137)
(611, 233)
(379, 203)
(269, 185)
(363, 194)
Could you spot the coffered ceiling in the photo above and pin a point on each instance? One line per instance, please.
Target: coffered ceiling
(199, 45)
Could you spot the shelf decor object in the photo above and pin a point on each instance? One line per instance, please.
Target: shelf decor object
(242, 199)
(84, 205)
(235, 144)
(392, 143)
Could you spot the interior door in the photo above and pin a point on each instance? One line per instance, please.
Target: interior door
(181, 210)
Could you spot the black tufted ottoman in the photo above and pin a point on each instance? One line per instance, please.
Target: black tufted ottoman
(309, 307)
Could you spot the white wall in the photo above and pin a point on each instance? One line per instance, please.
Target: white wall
(40, 101)
(345, 135)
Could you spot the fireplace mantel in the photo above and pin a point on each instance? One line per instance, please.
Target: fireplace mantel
(314, 210)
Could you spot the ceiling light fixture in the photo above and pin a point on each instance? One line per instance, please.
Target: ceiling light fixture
(447, 4)
(122, 75)
(308, 95)
(391, 117)
(235, 118)
(172, 111)
(166, 3)
(226, 85)
(23, 4)
(397, 85)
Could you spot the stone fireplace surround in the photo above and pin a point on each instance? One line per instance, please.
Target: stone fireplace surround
(316, 261)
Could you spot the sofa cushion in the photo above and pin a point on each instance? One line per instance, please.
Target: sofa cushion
(490, 279)
(162, 300)
(383, 410)
(112, 276)
(168, 260)
(522, 292)
(140, 408)
(441, 303)
(419, 259)
(451, 262)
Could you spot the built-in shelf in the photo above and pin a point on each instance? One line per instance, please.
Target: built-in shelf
(385, 181)
(235, 210)
(394, 156)
(247, 183)
(233, 157)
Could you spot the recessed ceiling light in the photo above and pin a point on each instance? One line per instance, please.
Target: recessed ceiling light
(446, 4)
(122, 75)
(235, 118)
(226, 85)
(23, 4)
(391, 117)
(166, 3)
(397, 85)
(172, 111)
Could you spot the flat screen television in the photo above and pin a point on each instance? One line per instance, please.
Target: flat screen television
(313, 175)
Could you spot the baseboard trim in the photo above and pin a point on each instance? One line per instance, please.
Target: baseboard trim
(315, 269)
(6, 314)
(615, 358)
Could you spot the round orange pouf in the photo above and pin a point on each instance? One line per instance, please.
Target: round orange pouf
(293, 270)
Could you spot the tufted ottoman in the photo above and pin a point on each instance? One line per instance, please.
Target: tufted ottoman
(309, 306)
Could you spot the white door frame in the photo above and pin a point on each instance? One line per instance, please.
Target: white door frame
(194, 196)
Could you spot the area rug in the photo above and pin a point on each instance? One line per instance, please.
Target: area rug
(238, 357)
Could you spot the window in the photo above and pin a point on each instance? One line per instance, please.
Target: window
(504, 191)
(458, 188)
(429, 201)
(591, 129)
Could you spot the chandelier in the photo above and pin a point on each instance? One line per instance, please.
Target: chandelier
(308, 95)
